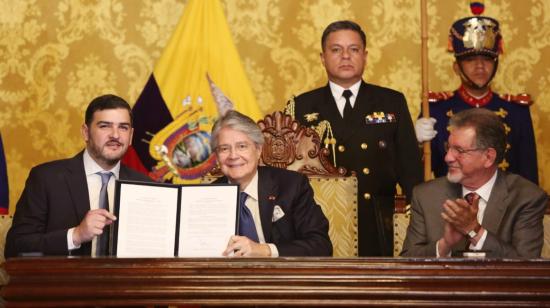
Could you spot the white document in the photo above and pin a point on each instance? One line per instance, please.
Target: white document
(148, 224)
(207, 220)
(146, 220)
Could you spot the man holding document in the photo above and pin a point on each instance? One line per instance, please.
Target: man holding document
(64, 208)
(278, 215)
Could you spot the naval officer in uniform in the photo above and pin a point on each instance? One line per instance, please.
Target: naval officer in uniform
(369, 131)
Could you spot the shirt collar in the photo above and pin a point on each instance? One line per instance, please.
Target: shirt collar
(252, 189)
(337, 90)
(484, 191)
(91, 167)
(475, 101)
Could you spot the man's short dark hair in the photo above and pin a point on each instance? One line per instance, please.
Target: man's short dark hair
(343, 25)
(489, 128)
(108, 101)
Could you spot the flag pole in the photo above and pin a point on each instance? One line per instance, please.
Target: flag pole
(425, 107)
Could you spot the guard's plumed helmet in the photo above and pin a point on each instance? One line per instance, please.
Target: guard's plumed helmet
(475, 35)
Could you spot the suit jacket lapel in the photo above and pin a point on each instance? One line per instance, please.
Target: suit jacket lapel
(266, 196)
(497, 204)
(124, 172)
(78, 186)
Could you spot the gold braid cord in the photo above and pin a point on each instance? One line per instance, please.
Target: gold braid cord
(289, 109)
(321, 128)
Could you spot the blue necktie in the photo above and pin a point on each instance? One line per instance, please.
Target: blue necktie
(246, 221)
(102, 248)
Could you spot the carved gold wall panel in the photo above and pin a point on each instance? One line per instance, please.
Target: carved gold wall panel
(55, 56)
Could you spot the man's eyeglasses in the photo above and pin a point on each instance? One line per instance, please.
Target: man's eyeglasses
(460, 151)
(240, 147)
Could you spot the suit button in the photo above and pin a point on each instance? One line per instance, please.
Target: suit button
(341, 148)
(366, 170)
(366, 196)
(364, 146)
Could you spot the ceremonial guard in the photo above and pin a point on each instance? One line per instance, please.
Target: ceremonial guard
(477, 43)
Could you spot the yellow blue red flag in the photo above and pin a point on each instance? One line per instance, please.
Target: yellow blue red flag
(198, 77)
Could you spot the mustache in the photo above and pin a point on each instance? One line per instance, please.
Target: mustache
(113, 142)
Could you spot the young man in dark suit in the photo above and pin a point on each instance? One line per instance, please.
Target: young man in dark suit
(476, 206)
(64, 208)
(278, 215)
(369, 131)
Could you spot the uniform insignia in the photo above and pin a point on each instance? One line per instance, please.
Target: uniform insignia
(436, 97)
(522, 99)
(450, 113)
(501, 113)
(310, 117)
(380, 117)
(507, 128)
(503, 165)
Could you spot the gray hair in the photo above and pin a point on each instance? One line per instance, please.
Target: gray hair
(488, 126)
(239, 122)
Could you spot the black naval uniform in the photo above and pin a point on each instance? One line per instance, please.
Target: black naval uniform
(378, 143)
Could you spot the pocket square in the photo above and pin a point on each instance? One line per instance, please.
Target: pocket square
(277, 213)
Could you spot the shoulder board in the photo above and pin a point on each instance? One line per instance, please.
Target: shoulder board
(434, 97)
(522, 99)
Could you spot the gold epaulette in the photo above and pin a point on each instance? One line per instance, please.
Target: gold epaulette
(522, 99)
(434, 97)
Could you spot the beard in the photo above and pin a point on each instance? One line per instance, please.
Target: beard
(454, 177)
(102, 154)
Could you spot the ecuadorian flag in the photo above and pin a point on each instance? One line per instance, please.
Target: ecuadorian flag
(4, 191)
(198, 77)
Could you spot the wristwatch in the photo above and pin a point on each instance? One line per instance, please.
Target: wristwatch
(473, 233)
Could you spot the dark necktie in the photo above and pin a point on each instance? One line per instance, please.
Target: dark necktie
(470, 197)
(246, 221)
(102, 248)
(347, 109)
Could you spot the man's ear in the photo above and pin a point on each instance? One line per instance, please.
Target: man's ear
(491, 156)
(85, 132)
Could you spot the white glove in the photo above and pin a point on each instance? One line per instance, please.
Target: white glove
(424, 128)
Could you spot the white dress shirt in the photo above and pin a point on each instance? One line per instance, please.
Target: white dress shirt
(337, 92)
(484, 193)
(91, 168)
